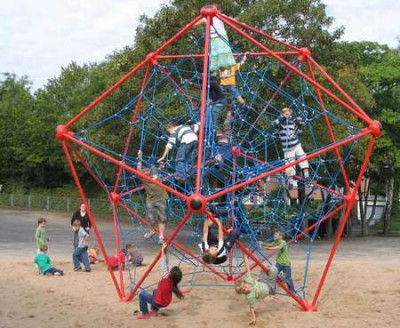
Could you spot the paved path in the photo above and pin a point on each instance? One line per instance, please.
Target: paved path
(17, 230)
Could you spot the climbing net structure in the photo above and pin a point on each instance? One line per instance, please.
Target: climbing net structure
(243, 174)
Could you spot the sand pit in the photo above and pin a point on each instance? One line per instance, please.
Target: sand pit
(362, 289)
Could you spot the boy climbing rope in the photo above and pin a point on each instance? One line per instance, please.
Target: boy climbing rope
(289, 128)
(283, 258)
(186, 138)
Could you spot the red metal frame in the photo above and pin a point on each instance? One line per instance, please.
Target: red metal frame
(69, 141)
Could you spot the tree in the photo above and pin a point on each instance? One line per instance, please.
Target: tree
(16, 122)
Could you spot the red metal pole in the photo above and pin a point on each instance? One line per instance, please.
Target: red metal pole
(126, 167)
(91, 218)
(328, 124)
(133, 71)
(363, 133)
(203, 105)
(254, 30)
(132, 127)
(337, 86)
(295, 69)
(351, 202)
(118, 250)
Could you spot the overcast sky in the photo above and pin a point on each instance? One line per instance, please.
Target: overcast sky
(38, 37)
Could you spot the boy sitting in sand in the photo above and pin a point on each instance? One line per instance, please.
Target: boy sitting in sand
(42, 260)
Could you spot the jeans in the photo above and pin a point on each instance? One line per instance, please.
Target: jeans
(80, 255)
(287, 270)
(184, 158)
(231, 89)
(217, 108)
(145, 298)
(53, 271)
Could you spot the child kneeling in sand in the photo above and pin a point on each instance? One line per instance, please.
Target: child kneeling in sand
(42, 260)
(256, 289)
(162, 296)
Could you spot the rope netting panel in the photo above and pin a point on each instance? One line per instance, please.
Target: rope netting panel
(239, 166)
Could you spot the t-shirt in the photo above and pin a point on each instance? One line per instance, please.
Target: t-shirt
(283, 256)
(165, 286)
(79, 236)
(40, 237)
(154, 193)
(259, 290)
(228, 76)
(43, 262)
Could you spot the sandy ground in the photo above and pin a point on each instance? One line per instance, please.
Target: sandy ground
(362, 288)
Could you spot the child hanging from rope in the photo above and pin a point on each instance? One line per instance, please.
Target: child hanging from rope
(227, 81)
(283, 258)
(156, 202)
(186, 137)
(215, 248)
(255, 289)
(42, 260)
(289, 129)
(162, 296)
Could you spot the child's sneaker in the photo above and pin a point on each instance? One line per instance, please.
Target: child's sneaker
(161, 240)
(57, 274)
(143, 317)
(153, 313)
(88, 270)
(78, 269)
(149, 234)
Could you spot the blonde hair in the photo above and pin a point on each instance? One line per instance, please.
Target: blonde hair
(76, 223)
(239, 284)
(286, 109)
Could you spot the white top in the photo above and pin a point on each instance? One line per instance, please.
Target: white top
(217, 28)
(185, 135)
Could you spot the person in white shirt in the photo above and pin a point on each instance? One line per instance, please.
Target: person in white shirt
(186, 138)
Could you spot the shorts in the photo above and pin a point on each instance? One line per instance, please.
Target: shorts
(157, 211)
(231, 89)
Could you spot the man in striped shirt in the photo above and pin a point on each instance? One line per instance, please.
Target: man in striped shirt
(186, 138)
(289, 128)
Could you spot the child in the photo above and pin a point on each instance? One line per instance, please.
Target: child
(256, 289)
(156, 202)
(220, 50)
(41, 234)
(162, 296)
(215, 248)
(187, 138)
(289, 128)
(128, 254)
(228, 80)
(93, 254)
(42, 260)
(80, 254)
(283, 258)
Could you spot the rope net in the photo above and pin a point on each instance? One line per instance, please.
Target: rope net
(239, 165)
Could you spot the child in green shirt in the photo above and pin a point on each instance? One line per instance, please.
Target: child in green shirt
(42, 260)
(255, 289)
(283, 258)
(41, 234)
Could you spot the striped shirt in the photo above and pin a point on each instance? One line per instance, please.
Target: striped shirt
(289, 128)
(183, 134)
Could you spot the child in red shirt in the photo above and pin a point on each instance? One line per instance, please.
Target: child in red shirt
(162, 296)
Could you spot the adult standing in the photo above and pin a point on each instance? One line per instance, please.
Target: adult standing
(82, 216)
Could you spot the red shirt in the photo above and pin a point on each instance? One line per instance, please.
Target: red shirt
(164, 292)
(114, 259)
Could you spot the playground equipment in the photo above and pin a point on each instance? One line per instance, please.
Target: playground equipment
(248, 187)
